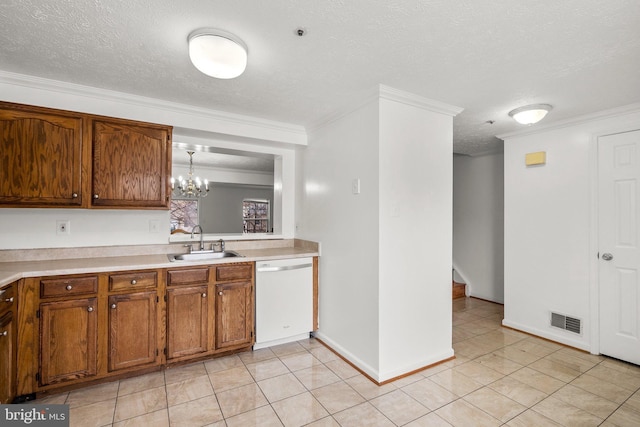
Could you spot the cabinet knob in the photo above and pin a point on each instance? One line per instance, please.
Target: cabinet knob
(204, 295)
(4, 333)
(89, 309)
(134, 281)
(220, 293)
(95, 196)
(9, 300)
(113, 306)
(69, 287)
(74, 195)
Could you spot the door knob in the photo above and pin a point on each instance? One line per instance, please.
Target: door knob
(607, 256)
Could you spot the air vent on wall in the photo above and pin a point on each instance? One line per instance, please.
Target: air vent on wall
(567, 323)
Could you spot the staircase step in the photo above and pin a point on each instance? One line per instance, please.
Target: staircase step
(459, 290)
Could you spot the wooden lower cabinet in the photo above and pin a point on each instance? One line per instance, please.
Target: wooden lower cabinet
(187, 321)
(234, 314)
(132, 330)
(7, 358)
(69, 340)
(83, 328)
(8, 361)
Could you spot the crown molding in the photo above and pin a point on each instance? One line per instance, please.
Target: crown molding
(391, 94)
(575, 121)
(216, 120)
(413, 100)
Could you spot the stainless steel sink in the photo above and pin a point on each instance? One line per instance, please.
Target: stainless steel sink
(202, 256)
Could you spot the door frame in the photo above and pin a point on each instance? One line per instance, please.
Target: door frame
(594, 264)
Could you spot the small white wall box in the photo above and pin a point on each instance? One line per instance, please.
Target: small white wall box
(533, 159)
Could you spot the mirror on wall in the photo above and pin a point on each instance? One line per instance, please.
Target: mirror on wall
(240, 192)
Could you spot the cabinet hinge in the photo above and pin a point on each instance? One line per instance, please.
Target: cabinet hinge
(38, 376)
(157, 352)
(37, 314)
(157, 299)
(251, 334)
(165, 351)
(165, 297)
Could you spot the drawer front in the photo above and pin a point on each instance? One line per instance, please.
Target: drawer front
(68, 286)
(234, 272)
(7, 299)
(129, 281)
(187, 277)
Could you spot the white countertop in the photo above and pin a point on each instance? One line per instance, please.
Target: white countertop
(12, 271)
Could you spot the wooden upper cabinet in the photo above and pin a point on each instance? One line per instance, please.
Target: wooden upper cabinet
(131, 164)
(55, 158)
(40, 157)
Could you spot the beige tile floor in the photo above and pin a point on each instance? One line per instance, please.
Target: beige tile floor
(499, 377)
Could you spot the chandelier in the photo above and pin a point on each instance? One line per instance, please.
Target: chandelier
(191, 187)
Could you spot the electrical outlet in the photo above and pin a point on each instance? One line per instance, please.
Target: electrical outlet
(63, 226)
(154, 226)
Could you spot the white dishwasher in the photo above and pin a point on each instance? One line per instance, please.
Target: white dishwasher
(284, 301)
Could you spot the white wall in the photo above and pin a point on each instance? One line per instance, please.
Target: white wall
(478, 224)
(346, 225)
(550, 229)
(415, 164)
(385, 267)
(35, 228)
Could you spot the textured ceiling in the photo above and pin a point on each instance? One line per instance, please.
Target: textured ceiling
(486, 56)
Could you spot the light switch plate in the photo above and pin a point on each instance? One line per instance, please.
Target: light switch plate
(355, 186)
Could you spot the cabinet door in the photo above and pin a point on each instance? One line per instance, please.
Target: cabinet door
(7, 359)
(131, 164)
(132, 330)
(187, 315)
(40, 157)
(234, 314)
(68, 340)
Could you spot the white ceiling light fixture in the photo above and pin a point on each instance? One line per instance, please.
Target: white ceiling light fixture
(530, 114)
(217, 53)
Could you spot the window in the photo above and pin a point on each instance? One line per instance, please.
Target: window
(255, 216)
(184, 215)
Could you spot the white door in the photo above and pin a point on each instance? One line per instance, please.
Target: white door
(618, 237)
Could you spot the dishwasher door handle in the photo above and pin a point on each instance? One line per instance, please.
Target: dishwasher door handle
(269, 269)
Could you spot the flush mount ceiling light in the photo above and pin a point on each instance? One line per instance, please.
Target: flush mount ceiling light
(530, 114)
(217, 53)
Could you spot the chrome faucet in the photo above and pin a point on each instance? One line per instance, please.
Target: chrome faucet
(193, 230)
(221, 245)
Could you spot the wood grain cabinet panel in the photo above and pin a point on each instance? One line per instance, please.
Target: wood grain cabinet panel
(41, 157)
(187, 316)
(8, 344)
(133, 281)
(68, 341)
(68, 286)
(187, 276)
(131, 164)
(234, 314)
(132, 330)
(7, 358)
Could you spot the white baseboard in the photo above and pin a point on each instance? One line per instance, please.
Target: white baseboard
(258, 346)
